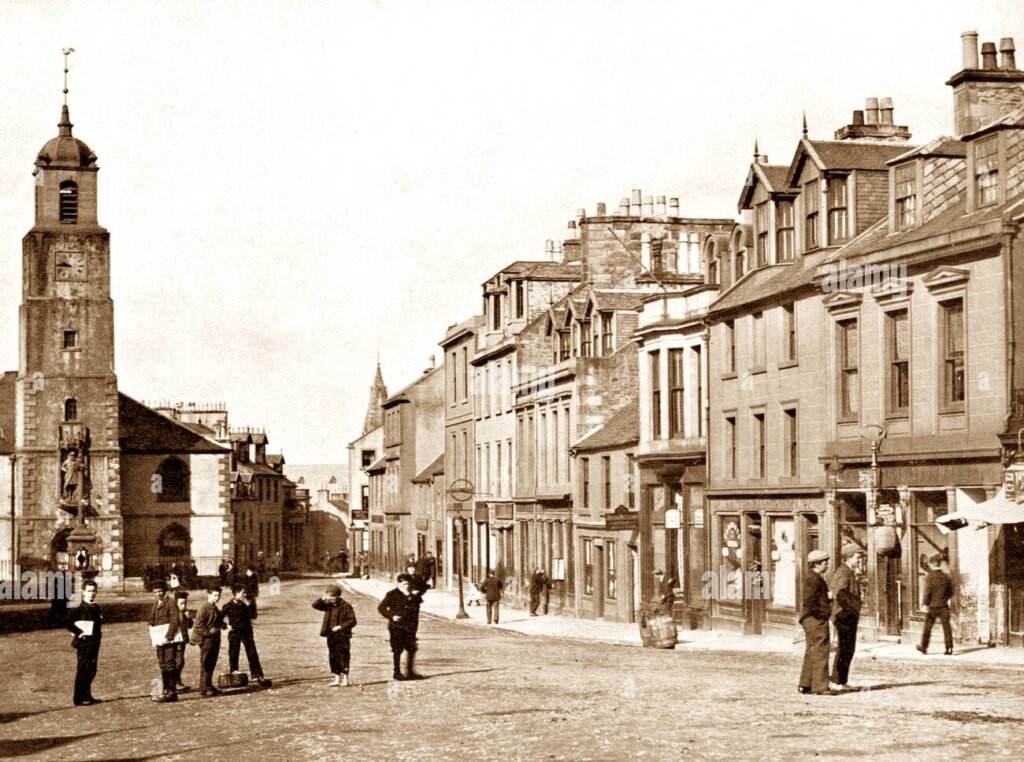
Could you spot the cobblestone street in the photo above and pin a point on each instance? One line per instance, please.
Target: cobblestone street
(494, 694)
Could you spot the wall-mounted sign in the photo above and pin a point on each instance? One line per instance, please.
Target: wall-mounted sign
(622, 519)
(671, 519)
(698, 518)
(558, 569)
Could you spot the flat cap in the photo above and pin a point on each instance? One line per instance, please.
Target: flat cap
(851, 549)
(334, 589)
(817, 555)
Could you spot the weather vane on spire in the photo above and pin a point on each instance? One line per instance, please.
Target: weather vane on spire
(67, 52)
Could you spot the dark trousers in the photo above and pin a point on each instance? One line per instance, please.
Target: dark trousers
(179, 660)
(814, 674)
(208, 653)
(339, 650)
(235, 643)
(929, 621)
(402, 640)
(534, 603)
(88, 651)
(846, 634)
(166, 657)
(495, 607)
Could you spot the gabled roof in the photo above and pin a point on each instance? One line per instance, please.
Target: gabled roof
(434, 469)
(143, 430)
(844, 155)
(772, 176)
(620, 430)
(275, 459)
(401, 394)
(1014, 118)
(7, 405)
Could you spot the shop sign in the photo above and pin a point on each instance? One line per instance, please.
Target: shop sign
(359, 515)
(622, 519)
(1013, 482)
(672, 519)
(866, 480)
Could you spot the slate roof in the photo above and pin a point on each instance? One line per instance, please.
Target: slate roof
(7, 403)
(434, 469)
(540, 270)
(621, 429)
(400, 395)
(772, 176)
(765, 282)
(617, 300)
(378, 465)
(845, 155)
(143, 430)
(943, 146)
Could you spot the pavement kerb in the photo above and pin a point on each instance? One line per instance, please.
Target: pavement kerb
(873, 651)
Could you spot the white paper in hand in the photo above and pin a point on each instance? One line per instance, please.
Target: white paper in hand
(85, 625)
(157, 634)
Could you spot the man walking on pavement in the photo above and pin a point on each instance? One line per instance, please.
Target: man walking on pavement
(540, 586)
(401, 607)
(938, 589)
(491, 588)
(846, 604)
(815, 611)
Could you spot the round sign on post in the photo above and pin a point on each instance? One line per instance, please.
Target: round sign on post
(461, 490)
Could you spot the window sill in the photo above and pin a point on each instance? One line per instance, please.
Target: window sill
(758, 370)
(952, 410)
(729, 375)
(788, 364)
(71, 349)
(898, 416)
(848, 419)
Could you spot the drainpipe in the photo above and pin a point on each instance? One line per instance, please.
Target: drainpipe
(1009, 233)
(14, 526)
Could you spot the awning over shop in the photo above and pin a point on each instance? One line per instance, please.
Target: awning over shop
(998, 510)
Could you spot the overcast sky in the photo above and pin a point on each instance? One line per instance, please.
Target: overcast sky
(293, 187)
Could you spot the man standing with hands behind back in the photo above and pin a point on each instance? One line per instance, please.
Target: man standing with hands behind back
(815, 611)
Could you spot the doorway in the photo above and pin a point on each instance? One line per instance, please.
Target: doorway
(634, 582)
(598, 582)
(752, 578)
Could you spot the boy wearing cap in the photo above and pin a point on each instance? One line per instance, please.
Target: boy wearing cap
(336, 627)
(181, 639)
(846, 606)
(815, 611)
(401, 607)
(938, 589)
(206, 635)
(239, 613)
(165, 614)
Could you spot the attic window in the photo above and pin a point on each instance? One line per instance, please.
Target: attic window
(838, 229)
(906, 197)
(986, 171)
(784, 231)
(811, 207)
(68, 202)
(761, 227)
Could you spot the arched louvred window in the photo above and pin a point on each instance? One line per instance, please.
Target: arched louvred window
(68, 201)
(172, 484)
(711, 261)
(71, 409)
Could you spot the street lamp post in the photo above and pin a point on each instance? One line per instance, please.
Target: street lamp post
(461, 491)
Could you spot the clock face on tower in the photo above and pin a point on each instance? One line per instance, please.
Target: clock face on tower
(70, 265)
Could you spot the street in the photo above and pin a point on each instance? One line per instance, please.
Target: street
(493, 694)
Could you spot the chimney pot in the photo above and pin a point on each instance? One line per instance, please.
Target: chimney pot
(988, 56)
(581, 213)
(871, 111)
(549, 246)
(858, 118)
(969, 41)
(885, 108)
(634, 203)
(624, 206)
(600, 209)
(673, 207)
(648, 207)
(645, 249)
(660, 208)
(1009, 62)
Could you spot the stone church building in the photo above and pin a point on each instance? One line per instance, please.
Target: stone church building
(100, 482)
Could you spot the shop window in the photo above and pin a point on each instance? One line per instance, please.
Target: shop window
(732, 557)
(782, 563)
(926, 539)
(612, 572)
(588, 567)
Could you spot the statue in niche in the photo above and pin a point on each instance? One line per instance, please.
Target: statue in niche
(75, 492)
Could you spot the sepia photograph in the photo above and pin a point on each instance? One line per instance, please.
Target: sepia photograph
(511, 380)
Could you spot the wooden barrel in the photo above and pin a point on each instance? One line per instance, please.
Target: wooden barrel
(663, 631)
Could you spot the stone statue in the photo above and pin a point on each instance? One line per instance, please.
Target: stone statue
(73, 481)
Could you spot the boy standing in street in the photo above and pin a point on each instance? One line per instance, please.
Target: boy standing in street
(181, 639)
(206, 635)
(938, 589)
(336, 627)
(164, 623)
(401, 607)
(86, 622)
(239, 613)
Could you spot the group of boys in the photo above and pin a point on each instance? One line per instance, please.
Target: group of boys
(838, 599)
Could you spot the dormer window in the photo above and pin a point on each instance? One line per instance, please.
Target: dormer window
(811, 208)
(906, 197)
(585, 338)
(519, 298)
(838, 218)
(784, 231)
(738, 257)
(607, 337)
(68, 202)
(711, 261)
(986, 171)
(761, 228)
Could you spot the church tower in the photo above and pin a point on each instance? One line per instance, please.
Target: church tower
(68, 458)
(374, 413)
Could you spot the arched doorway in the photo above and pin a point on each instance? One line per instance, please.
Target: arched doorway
(59, 549)
(174, 544)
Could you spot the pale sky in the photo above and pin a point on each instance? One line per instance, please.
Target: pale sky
(293, 187)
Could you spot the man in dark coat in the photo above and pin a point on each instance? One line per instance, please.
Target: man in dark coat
(491, 588)
(815, 611)
(401, 607)
(206, 635)
(664, 592)
(846, 604)
(938, 589)
(336, 627)
(181, 639)
(165, 623)
(251, 581)
(86, 642)
(540, 586)
(239, 613)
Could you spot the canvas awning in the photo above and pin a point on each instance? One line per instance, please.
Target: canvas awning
(998, 510)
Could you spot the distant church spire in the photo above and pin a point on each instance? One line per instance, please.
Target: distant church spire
(378, 393)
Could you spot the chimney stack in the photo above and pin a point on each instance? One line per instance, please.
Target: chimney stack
(988, 56)
(969, 40)
(634, 204)
(601, 212)
(673, 207)
(871, 111)
(1006, 48)
(660, 208)
(648, 207)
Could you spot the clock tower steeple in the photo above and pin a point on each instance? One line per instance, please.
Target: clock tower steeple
(68, 456)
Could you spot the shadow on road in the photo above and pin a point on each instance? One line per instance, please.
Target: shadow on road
(24, 746)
